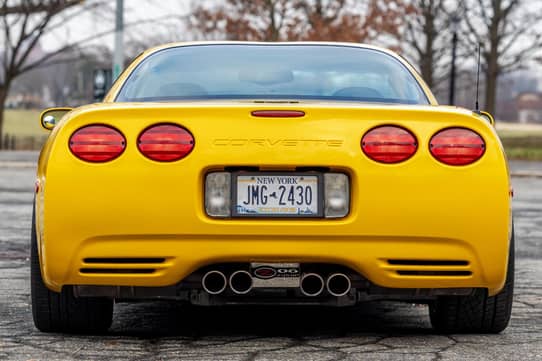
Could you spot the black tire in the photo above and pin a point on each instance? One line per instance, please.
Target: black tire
(477, 313)
(62, 312)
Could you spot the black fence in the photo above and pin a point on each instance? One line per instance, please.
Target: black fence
(13, 142)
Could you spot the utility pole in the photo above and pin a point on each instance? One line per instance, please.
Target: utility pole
(118, 54)
(455, 23)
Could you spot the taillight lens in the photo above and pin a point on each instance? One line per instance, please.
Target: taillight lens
(389, 144)
(97, 143)
(165, 142)
(457, 146)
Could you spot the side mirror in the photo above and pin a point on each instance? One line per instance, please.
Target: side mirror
(50, 117)
(488, 117)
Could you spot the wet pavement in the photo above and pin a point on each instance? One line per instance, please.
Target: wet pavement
(160, 331)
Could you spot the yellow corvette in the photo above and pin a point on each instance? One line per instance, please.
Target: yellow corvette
(271, 173)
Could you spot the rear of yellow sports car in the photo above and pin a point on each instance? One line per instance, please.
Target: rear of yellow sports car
(285, 202)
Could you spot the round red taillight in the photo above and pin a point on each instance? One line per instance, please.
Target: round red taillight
(389, 144)
(457, 146)
(97, 143)
(165, 142)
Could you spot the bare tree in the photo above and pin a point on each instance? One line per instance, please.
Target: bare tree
(354, 21)
(509, 33)
(256, 20)
(22, 25)
(426, 39)
(25, 22)
(275, 20)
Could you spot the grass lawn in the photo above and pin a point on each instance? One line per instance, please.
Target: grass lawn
(23, 123)
(521, 141)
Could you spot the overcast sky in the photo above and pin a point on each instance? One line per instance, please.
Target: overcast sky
(135, 12)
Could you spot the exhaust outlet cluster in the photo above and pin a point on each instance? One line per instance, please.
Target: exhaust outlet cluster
(337, 284)
(240, 282)
(215, 282)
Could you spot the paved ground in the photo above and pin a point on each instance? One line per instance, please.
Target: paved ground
(147, 331)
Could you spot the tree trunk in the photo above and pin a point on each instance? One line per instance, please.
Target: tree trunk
(492, 59)
(491, 85)
(3, 95)
(427, 57)
(272, 31)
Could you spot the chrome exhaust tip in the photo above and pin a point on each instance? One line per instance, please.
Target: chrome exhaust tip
(214, 282)
(311, 284)
(241, 282)
(338, 284)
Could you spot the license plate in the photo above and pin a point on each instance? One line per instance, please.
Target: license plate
(277, 195)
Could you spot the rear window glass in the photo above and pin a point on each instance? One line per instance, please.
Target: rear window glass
(293, 72)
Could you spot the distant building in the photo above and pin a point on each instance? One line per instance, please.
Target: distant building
(507, 110)
(529, 107)
(27, 100)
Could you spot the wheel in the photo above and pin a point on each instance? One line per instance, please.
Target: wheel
(477, 313)
(62, 312)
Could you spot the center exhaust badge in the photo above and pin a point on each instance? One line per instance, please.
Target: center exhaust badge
(275, 275)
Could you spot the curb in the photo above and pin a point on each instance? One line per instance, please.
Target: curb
(17, 164)
(524, 174)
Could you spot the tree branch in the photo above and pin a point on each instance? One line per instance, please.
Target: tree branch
(36, 34)
(30, 8)
(75, 44)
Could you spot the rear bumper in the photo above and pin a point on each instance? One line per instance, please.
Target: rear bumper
(402, 232)
(391, 262)
(418, 210)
